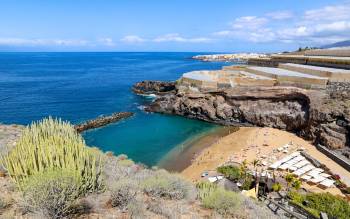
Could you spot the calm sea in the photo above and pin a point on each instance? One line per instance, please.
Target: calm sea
(81, 86)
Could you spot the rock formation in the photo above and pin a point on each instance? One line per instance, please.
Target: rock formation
(308, 113)
(153, 87)
(102, 121)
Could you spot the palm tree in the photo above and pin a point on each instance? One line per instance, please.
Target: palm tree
(243, 168)
(255, 163)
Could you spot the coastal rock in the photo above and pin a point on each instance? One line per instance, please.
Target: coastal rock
(278, 108)
(102, 121)
(311, 114)
(153, 87)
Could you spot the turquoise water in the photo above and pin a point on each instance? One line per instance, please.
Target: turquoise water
(81, 86)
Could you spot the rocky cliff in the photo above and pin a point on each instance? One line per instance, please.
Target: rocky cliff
(153, 87)
(310, 114)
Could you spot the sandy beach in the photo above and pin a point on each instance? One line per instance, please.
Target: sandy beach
(257, 143)
(183, 155)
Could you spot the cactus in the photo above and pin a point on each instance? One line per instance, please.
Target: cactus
(205, 189)
(53, 145)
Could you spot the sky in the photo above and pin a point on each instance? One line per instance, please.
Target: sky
(172, 25)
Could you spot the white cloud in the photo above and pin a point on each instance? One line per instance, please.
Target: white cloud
(106, 41)
(318, 26)
(330, 13)
(249, 22)
(280, 15)
(175, 37)
(338, 26)
(132, 39)
(41, 42)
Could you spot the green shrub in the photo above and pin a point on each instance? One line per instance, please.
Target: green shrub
(52, 194)
(315, 203)
(296, 184)
(166, 185)
(289, 178)
(205, 189)
(247, 183)
(297, 197)
(213, 197)
(123, 193)
(54, 145)
(276, 187)
(224, 202)
(230, 172)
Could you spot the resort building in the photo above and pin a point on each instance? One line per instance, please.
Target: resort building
(316, 70)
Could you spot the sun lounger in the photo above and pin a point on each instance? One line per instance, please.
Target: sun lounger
(317, 179)
(275, 165)
(303, 170)
(306, 177)
(327, 183)
(307, 168)
(302, 163)
(287, 158)
(299, 158)
(314, 172)
(325, 175)
(295, 160)
(284, 166)
(298, 172)
(292, 168)
(319, 170)
(292, 162)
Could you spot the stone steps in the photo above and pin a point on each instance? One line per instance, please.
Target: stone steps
(323, 61)
(245, 78)
(333, 74)
(289, 78)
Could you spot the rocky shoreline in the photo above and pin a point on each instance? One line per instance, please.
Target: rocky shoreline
(154, 87)
(310, 114)
(102, 121)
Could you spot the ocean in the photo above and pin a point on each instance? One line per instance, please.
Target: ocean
(81, 86)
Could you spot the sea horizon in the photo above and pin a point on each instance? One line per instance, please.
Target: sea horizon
(62, 85)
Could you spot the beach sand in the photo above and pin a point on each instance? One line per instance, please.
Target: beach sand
(182, 156)
(258, 143)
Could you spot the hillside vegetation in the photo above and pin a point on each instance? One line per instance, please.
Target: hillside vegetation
(55, 175)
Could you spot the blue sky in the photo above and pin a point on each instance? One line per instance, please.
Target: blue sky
(177, 25)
